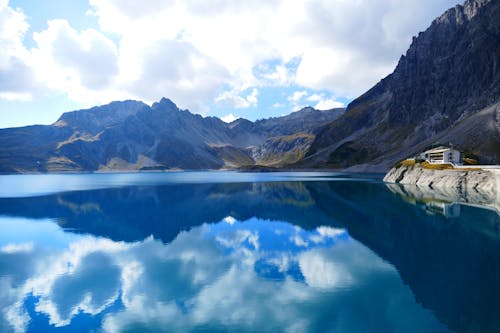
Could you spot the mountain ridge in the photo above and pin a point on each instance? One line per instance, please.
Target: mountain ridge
(130, 135)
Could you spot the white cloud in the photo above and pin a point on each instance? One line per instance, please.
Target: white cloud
(229, 119)
(297, 96)
(17, 247)
(193, 282)
(344, 46)
(233, 99)
(195, 52)
(315, 98)
(328, 104)
(326, 231)
(12, 96)
(16, 75)
(229, 220)
(322, 272)
(178, 70)
(66, 57)
(277, 75)
(299, 241)
(322, 102)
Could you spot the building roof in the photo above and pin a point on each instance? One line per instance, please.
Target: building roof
(439, 149)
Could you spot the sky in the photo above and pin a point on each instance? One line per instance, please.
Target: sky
(225, 58)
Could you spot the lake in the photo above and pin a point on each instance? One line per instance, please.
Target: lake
(242, 252)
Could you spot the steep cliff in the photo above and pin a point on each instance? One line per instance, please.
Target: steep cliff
(445, 89)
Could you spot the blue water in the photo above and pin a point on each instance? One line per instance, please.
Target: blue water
(241, 252)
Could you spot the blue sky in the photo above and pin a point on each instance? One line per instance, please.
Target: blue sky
(226, 58)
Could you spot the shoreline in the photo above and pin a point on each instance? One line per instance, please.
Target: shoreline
(257, 170)
(459, 184)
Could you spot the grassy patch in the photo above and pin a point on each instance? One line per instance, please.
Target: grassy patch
(348, 154)
(431, 166)
(293, 137)
(408, 163)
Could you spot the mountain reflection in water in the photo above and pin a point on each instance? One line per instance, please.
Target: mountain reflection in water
(347, 256)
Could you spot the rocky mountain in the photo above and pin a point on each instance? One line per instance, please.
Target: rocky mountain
(131, 135)
(445, 89)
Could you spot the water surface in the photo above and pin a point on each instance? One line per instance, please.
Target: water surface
(286, 252)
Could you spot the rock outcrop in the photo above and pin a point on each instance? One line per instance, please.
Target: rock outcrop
(445, 89)
(458, 185)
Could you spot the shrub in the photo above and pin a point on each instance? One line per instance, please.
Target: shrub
(470, 161)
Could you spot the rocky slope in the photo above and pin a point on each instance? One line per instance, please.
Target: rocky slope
(445, 89)
(464, 185)
(131, 135)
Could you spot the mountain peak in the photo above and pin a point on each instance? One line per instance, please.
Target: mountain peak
(165, 104)
(307, 109)
(462, 13)
(471, 7)
(101, 116)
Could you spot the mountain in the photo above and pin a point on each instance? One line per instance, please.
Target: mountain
(131, 135)
(445, 89)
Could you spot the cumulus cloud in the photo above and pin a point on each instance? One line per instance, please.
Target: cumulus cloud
(221, 52)
(17, 247)
(322, 102)
(176, 69)
(233, 99)
(229, 119)
(344, 46)
(297, 96)
(276, 73)
(327, 104)
(85, 58)
(16, 75)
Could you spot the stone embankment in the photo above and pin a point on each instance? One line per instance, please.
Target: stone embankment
(453, 182)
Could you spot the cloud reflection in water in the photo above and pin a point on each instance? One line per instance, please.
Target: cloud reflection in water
(251, 275)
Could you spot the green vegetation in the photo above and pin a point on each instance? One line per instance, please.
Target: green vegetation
(424, 165)
(234, 156)
(285, 150)
(470, 159)
(348, 154)
(431, 166)
(294, 137)
(410, 162)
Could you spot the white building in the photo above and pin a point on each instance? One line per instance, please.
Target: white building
(442, 155)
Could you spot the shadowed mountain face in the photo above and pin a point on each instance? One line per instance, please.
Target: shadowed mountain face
(130, 135)
(446, 89)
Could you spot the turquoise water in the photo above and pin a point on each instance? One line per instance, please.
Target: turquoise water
(241, 252)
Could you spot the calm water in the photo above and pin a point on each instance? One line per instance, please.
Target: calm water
(176, 252)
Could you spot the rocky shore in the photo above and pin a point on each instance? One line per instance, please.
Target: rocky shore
(454, 183)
